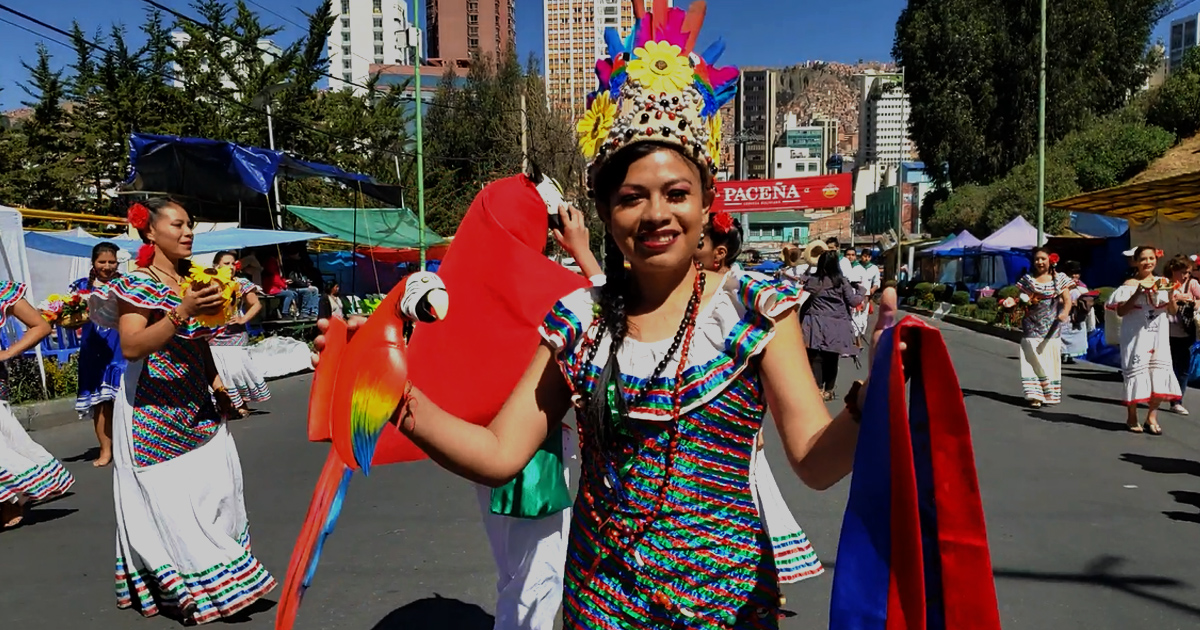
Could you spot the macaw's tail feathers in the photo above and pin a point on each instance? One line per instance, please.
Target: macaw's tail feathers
(320, 398)
(318, 524)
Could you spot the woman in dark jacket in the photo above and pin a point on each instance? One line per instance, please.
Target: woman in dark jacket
(828, 329)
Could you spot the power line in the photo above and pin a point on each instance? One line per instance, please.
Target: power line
(244, 46)
(296, 24)
(354, 142)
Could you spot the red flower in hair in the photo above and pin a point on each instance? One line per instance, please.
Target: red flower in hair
(1053, 259)
(722, 222)
(237, 265)
(138, 216)
(145, 255)
(1158, 253)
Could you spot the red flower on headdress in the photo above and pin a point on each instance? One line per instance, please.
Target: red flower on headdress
(1158, 253)
(237, 265)
(138, 216)
(722, 222)
(1053, 259)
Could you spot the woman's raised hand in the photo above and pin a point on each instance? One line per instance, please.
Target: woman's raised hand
(352, 325)
(206, 301)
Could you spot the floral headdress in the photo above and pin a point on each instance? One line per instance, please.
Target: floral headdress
(654, 86)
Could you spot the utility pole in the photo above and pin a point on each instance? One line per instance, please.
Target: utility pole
(263, 99)
(420, 58)
(1041, 207)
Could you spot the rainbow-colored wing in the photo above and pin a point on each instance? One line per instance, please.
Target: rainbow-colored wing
(323, 512)
(370, 382)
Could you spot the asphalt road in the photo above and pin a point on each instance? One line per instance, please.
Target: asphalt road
(1090, 527)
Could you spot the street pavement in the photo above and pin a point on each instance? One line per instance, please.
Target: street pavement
(1090, 526)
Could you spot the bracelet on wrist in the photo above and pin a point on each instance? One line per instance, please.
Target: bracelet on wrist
(177, 320)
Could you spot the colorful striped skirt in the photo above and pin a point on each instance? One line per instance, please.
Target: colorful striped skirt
(1041, 369)
(795, 559)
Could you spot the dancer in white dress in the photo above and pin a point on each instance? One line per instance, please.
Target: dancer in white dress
(795, 559)
(27, 471)
(183, 538)
(1143, 303)
(245, 383)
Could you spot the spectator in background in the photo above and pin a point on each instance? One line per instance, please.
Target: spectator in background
(331, 304)
(275, 284)
(298, 272)
(251, 267)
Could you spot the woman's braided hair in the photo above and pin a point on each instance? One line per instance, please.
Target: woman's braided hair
(614, 296)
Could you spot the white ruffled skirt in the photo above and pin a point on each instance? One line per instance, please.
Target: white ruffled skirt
(239, 375)
(183, 537)
(27, 471)
(795, 559)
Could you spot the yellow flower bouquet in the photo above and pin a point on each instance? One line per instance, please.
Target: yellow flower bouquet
(199, 278)
(68, 311)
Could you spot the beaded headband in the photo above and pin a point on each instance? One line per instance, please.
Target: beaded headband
(654, 87)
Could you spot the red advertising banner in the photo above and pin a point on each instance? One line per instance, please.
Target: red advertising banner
(799, 193)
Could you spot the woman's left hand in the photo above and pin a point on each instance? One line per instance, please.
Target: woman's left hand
(574, 236)
(888, 307)
(225, 405)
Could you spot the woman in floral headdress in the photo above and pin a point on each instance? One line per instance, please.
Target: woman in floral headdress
(183, 538)
(1045, 292)
(1143, 302)
(795, 559)
(670, 368)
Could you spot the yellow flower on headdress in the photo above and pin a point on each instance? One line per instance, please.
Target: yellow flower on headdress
(593, 128)
(660, 67)
(714, 139)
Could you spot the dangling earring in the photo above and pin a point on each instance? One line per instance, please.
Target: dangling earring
(701, 245)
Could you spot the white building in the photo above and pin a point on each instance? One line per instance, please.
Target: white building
(366, 32)
(791, 162)
(883, 121)
(573, 38)
(270, 52)
(1184, 36)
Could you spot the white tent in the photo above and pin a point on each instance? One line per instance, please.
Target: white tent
(14, 265)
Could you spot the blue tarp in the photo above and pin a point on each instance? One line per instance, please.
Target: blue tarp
(1098, 225)
(360, 275)
(218, 172)
(203, 243)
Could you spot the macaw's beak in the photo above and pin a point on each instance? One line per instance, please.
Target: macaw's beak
(433, 306)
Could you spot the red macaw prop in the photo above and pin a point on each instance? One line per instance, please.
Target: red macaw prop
(503, 286)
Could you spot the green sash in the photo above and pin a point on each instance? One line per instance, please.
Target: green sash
(540, 489)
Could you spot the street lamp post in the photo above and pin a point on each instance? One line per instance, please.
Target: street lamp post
(263, 99)
(419, 59)
(1041, 207)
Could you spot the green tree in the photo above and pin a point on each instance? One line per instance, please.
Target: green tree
(972, 75)
(1175, 106)
(49, 177)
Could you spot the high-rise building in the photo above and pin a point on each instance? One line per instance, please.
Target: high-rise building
(1184, 36)
(573, 40)
(366, 32)
(804, 149)
(755, 124)
(883, 118)
(463, 29)
(270, 52)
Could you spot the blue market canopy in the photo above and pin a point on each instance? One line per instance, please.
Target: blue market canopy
(203, 242)
(224, 173)
(954, 246)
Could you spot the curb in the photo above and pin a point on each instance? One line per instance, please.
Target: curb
(46, 414)
(974, 325)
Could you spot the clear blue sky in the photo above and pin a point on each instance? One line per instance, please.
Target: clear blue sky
(758, 32)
